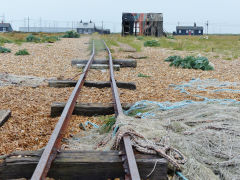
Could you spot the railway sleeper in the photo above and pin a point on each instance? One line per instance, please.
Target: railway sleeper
(89, 165)
(87, 109)
(121, 62)
(101, 84)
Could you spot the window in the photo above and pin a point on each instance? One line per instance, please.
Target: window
(200, 31)
(180, 31)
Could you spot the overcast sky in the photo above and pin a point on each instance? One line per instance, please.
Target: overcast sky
(223, 15)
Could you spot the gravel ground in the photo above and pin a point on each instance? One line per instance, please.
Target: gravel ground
(30, 126)
(45, 60)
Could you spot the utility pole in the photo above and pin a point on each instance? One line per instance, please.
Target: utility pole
(40, 22)
(102, 27)
(24, 22)
(3, 18)
(28, 23)
(178, 23)
(207, 24)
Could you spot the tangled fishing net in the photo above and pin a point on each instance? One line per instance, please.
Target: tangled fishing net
(206, 132)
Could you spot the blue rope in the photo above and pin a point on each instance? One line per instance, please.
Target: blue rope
(181, 175)
(94, 125)
(115, 130)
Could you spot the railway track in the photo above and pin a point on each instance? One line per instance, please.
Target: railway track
(54, 144)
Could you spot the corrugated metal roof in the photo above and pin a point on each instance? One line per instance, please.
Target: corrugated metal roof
(190, 27)
(85, 25)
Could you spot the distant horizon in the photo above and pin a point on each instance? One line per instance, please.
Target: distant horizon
(221, 15)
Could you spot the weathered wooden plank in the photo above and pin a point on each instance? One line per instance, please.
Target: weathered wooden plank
(87, 109)
(101, 84)
(116, 67)
(82, 165)
(121, 62)
(4, 116)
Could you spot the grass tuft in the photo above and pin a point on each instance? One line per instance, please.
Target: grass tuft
(50, 39)
(143, 75)
(22, 52)
(190, 62)
(108, 123)
(4, 50)
(32, 38)
(71, 34)
(151, 43)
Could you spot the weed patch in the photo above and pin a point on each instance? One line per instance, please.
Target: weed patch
(190, 62)
(143, 75)
(140, 38)
(32, 38)
(4, 50)
(50, 39)
(228, 58)
(4, 40)
(22, 52)
(108, 123)
(151, 43)
(71, 34)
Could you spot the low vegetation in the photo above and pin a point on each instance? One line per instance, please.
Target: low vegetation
(143, 75)
(227, 45)
(190, 62)
(4, 40)
(112, 40)
(71, 34)
(19, 38)
(50, 39)
(151, 43)
(99, 45)
(32, 38)
(4, 50)
(108, 121)
(22, 52)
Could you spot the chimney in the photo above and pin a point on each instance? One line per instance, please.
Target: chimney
(195, 25)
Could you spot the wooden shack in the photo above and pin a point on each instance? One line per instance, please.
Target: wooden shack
(143, 24)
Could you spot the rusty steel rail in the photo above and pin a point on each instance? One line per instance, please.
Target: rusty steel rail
(54, 144)
(132, 170)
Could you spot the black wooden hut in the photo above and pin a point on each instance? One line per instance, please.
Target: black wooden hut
(189, 30)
